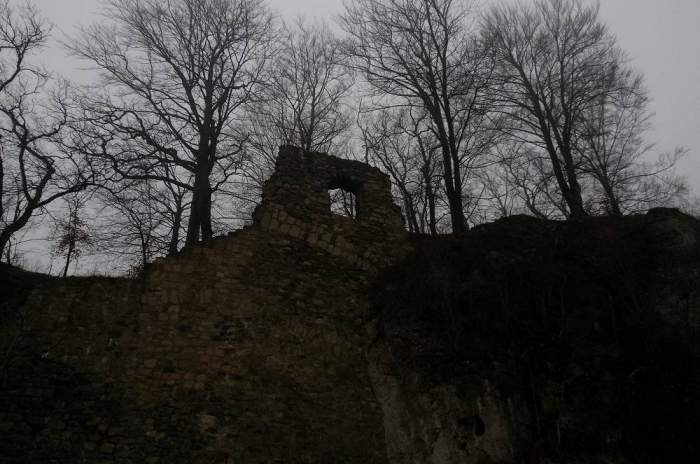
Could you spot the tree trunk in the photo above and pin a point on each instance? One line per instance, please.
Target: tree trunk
(613, 203)
(430, 197)
(13, 227)
(200, 211)
(4, 240)
(144, 250)
(569, 186)
(207, 232)
(68, 256)
(452, 189)
(175, 233)
(410, 214)
(574, 198)
(195, 220)
(576, 207)
(454, 197)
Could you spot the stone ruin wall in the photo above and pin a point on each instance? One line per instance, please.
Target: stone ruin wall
(301, 208)
(259, 346)
(248, 349)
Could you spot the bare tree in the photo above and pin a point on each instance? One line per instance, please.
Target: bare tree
(500, 195)
(308, 87)
(613, 151)
(422, 53)
(34, 171)
(402, 144)
(12, 254)
(22, 32)
(555, 60)
(304, 102)
(176, 73)
(141, 221)
(520, 180)
(690, 205)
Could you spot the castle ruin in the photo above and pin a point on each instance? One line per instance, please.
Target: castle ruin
(247, 349)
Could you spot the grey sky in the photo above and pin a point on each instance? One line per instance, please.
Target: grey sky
(661, 37)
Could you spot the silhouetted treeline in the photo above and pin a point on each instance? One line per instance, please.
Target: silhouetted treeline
(524, 107)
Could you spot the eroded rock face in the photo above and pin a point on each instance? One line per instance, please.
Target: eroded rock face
(429, 423)
(676, 286)
(544, 342)
(672, 230)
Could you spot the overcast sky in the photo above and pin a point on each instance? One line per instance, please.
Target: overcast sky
(662, 37)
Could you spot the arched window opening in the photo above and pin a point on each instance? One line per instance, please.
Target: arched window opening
(343, 202)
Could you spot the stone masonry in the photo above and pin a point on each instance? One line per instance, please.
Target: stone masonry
(262, 347)
(249, 349)
(296, 202)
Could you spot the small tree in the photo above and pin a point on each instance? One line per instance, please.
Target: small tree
(141, 221)
(72, 235)
(691, 205)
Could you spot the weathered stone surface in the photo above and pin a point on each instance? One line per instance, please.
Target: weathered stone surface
(296, 202)
(247, 349)
(544, 342)
(427, 423)
(260, 347)
(672, 230)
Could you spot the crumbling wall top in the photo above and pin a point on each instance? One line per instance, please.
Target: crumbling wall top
(296, 201)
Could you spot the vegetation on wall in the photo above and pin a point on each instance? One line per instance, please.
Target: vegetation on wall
(563, 318)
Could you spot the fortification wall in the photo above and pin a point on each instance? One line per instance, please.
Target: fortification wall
(260, 346)
(296, 202)
(250, 348)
